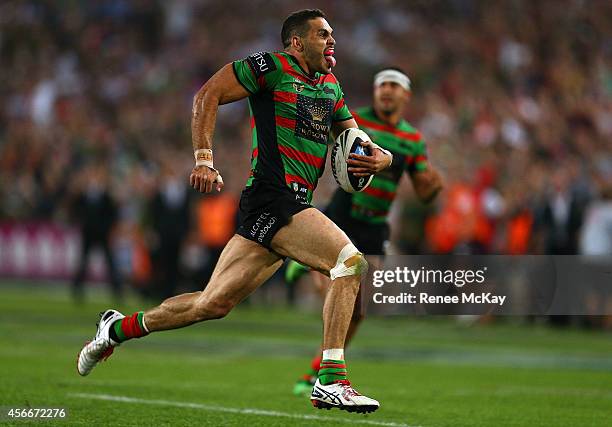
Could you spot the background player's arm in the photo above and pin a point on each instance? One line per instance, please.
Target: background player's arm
(222, 88)
(427, 184)
(362, 165)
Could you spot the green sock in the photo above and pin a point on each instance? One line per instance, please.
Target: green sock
(331, 371)
(129, 327)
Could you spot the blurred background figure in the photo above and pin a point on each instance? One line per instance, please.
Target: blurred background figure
(169, 211)
(596, 236)
(562, 214)
(216, 221)
(96, 213)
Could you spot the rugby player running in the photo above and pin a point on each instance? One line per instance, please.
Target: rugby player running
(295, 102)
(363, 215)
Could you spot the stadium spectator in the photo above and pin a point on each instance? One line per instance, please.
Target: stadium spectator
(96, 212)
(170, 221)
(216, 217)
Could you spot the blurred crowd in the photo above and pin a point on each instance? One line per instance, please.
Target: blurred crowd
(514, 99)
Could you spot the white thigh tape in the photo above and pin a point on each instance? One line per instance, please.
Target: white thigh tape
(350, 263)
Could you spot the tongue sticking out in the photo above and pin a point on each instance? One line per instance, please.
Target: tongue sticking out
(329, 57)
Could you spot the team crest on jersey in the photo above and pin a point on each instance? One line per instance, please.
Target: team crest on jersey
(313, 118)
(298, 87)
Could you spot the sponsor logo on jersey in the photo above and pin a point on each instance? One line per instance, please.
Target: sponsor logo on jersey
(313, 118)
(261, 63)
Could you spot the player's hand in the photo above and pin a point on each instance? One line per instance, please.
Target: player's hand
(368, 165)
(203, 179)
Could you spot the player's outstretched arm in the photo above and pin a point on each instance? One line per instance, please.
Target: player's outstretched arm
(427, 184)
(222, 88)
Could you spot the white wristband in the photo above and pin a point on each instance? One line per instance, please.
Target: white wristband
(204, 157)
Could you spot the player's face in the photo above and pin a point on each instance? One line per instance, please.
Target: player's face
(390, 97)
(319, 43)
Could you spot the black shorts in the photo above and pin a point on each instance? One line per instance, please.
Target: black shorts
(369, 238)
(264, 209)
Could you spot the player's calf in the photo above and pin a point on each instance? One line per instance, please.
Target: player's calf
(212, 308)
(187, 309)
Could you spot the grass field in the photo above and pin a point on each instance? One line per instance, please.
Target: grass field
(239, 371)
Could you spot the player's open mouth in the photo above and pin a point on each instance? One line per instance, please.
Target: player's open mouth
(329, 57)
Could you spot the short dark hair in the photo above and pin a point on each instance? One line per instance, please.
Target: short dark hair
(297, 23)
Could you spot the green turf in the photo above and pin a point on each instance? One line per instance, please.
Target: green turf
(425, 371)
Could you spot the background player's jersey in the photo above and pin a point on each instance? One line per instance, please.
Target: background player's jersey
(291, 117)
(409, 154)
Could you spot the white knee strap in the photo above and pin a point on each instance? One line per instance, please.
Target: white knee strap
(350, 262)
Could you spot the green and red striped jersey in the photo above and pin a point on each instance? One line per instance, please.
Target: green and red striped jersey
(409, 154)
(291, 117)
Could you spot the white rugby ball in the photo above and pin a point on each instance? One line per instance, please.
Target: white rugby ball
(348, 142)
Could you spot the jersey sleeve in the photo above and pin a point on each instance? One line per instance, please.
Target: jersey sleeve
(341, 111)
(417, 160)
(257, 72)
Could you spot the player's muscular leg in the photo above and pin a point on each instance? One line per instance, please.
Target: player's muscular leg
(313, 239)
(243, 266)
(322, 283)
(365, 294)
